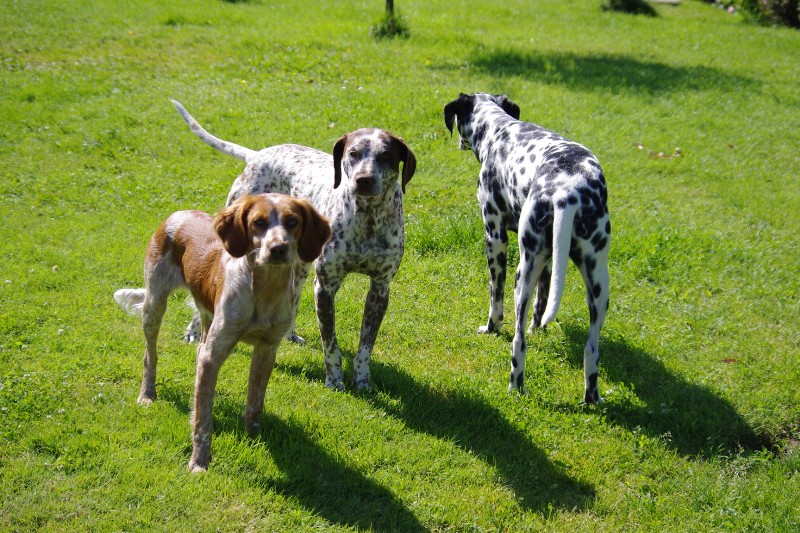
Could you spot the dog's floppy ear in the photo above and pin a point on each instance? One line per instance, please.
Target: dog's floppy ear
(407, 157)
(231, 226)
(459, 107)
(338, 154)
(509, 107)
(316, 232)
(450, 112)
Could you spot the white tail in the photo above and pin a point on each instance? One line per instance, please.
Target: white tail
(131, 300)
(218, 144)
(562, 236)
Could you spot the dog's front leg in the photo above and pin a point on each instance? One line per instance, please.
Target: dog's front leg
(300, 276)
(210, 356)
(497, 258)
(324, 295)
(260, 370)
(374, 311)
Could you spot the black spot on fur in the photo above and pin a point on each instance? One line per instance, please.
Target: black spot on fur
(499, 200)
(480, 132)
(601, 244)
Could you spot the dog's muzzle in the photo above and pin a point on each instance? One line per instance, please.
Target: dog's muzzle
(366, 186)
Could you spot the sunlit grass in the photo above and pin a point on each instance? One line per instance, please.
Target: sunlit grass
(699, 367)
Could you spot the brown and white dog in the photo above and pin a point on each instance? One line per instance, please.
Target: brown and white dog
(240, 267)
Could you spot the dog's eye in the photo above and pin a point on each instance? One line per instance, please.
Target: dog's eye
(260, 223)
(353, 153)
(290, 222)
(384, 156)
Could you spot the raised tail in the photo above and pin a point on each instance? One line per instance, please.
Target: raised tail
(131, 300)
(245, 154)
(563, 218)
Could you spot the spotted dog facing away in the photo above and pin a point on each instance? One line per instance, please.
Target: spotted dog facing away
(239, 267)
(365, 211)
(552, 193)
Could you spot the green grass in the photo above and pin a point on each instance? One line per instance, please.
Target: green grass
(699, 368)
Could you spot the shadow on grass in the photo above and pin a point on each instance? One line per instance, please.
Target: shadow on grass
(697, 421)
(475, 426)
(604, 71)
(319, 481)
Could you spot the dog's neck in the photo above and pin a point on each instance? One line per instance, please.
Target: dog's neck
(482, 131)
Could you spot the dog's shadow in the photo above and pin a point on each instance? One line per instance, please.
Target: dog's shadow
(469, 422)
(688, 417)
(322, 483)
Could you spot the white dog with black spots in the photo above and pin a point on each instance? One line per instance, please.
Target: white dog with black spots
(552, 193)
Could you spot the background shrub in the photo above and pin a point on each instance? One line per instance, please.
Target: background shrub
(786, 12)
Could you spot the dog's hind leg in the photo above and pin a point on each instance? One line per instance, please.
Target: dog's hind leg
(531, 265)
(496, 240)
(594, 270)
(155, 304)
(540, 303)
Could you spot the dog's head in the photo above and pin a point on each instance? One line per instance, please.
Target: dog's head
(371, 159)
(275, 228)
(461, 111)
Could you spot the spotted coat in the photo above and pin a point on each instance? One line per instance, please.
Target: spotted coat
(357, 189)
(550, 191)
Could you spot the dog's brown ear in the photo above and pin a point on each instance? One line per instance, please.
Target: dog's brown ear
(409, 167)
(460, 106)
(407, 157)
(231, 226)
(316, 232)
(338, 154)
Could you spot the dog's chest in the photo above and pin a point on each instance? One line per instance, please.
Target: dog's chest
(365, 242)
(270, 321)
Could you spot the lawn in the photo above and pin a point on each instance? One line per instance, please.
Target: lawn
(695, 116)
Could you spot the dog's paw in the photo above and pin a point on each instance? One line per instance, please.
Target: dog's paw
(146, 396)
(191, 336)
(592, 398)
(490, 327)
(335, 384)
(296, 339)
(363, 386)
(192, 333)
(195, 468)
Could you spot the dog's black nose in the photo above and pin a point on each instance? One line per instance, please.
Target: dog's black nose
(365, 184)
(278, 251)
